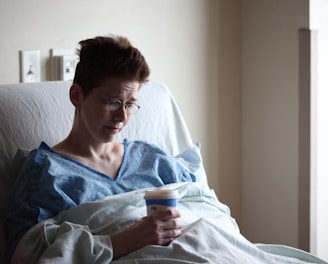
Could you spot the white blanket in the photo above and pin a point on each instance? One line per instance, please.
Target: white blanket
(210, 235)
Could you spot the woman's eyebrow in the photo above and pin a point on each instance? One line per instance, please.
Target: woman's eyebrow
(119, 97)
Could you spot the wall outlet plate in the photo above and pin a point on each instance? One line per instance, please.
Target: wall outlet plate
(66, 67)
(30, 66)
(63, 63)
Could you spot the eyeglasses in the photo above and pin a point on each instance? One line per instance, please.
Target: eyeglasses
(114, 105)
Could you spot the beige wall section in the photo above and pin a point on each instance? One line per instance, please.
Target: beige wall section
(229, 106)
(270, 119)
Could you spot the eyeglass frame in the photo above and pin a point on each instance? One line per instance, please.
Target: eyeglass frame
(112, 108)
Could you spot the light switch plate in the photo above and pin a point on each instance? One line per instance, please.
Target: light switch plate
(29, 66)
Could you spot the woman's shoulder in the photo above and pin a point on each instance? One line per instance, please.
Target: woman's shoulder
(39, 154)
(32, 161)
(24, 155)
(24, 164)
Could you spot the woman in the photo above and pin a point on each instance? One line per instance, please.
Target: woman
(89, 164)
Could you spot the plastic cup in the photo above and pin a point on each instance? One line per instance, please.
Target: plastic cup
(160, 199)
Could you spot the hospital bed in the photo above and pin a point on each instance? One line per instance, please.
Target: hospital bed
(35, 112)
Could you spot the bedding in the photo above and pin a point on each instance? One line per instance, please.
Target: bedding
(210, 234)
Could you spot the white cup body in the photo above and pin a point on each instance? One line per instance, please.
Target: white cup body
(160, 199)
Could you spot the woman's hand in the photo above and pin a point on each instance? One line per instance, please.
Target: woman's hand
(159, 228)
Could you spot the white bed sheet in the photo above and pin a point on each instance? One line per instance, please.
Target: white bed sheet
(210, 235)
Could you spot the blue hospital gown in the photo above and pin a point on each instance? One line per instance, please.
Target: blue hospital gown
(49, 182)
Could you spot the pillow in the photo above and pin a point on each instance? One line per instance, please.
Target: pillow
(192, 160)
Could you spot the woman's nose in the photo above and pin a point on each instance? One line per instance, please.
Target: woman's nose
(121, 114)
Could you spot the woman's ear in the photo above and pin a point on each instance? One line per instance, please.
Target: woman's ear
(76, 94)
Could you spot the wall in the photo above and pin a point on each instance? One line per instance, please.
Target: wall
(270, 119)
(182, 40)
(228, 101)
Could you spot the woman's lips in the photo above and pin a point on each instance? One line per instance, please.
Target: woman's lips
(113, 129)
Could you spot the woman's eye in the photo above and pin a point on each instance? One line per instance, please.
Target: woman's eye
(114, 103)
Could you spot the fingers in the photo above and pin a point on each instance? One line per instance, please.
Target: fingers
(165, 226)
(171, 224)
(166, 220)
(172, 227)
(167, 214)
(165, 236)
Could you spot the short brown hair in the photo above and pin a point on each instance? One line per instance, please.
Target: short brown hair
(110, 56)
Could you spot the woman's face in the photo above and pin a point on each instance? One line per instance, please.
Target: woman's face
(105, 110)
